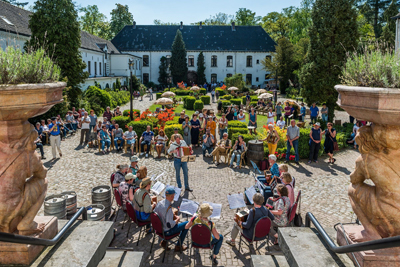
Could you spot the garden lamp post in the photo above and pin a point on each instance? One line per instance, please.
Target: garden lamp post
(131, 64)
(276, 76)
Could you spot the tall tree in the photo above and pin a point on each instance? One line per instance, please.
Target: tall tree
(120, 16)
(332, 34)
(62, 38)
(218, 19)
(300, 21)
(246, 17)
(373, 11)
(276, 25)
(163, 73)
(201, 68)
(388, 33)
(178, 59)
(92, 19)
(159, 22)
(16, 3)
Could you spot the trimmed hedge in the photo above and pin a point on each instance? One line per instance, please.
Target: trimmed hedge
(246, 138)
(253, 103)
(169, 130)
(158, 95)
(122, 122)
(126, 112)
(244, 100)
(174, 121)
(221, 92)
(254, 98)
(236, 124)
(237, 130)
(206, 99)
(225, 103)
(198, 105)
(227, 97)
(189, 102)
(236, 101)
(182, 92)
(139, 127)
(203, 91)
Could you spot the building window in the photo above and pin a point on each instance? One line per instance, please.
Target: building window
(191, 61)
(267, 76)
(213, 61)
(100, 68)
(145, 61)
(229, 75)
(256, 79)
(249, 79)
(169, 61)
(213, 78)
(88, 67)
(268, 57)
(258, 61)
(105, 69)
(229, 61)
(145, 78)
(249, 61)
(95, 68)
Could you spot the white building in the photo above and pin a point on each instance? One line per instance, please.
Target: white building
(397, 43)
(227, 49)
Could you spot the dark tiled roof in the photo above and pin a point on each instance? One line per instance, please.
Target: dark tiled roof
(17, 16)
(209, 38)
(96, 43)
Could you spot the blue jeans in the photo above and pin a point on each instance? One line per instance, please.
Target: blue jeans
(208, 149)
(179, 228)
(324, 117)
(313, 119)
(68, 126)
(233, 158)
(74, 126)
(116, 142)
(40, 146)
(104, 142)
(64, 131)
(296, 149)
(221, 133)
(148, 146)
(91, 127)
(216, 242)
(178, 164)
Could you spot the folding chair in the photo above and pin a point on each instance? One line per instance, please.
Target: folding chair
(119, 206)
(261, 232)
(132, 216)
(201, 236)
(158, 228)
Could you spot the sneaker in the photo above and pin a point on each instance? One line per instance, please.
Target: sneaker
(43, 157)
(213, 260)
(309, 162)
(141, 154)
(286, 161)
(60, 155)
(147, 155)
(298, 163)
(316, 161)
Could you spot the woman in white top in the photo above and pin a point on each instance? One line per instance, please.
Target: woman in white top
(271, 116)
(241, 117)
(161, 139)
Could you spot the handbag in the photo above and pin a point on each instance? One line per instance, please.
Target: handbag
(335, 144)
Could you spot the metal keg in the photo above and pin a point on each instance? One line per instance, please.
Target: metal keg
(95, 212)
(102, 195)
(70, 198)
(55, 205)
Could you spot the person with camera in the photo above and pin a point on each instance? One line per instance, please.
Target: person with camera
(223, 145)
(248, 227)
(177, 149)
(238, 149)
(208, 142)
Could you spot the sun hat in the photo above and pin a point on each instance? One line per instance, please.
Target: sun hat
(134, 159)
(205, 210)
(170, 190)
(201, 115)
(317, 124)
(129, 176)
(145, 182)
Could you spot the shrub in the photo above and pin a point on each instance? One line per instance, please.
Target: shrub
(236, 101)
(119, 98)
(203, 91)
(221, 92)
(139, 126)
(158, 95)
(244, 100)
(169, 130)
(182, 92)
(253, 103)
(246, 137)
(206, 99)
(126, 112)
(98, 99)
(225, 103)
(122, 121)
(173, 121)
(254, 98)
(236, 124)
(189, 101)
(232, 131)
(227, 97)
(198, 105)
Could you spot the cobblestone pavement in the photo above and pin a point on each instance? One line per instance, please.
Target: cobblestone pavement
(324, 193)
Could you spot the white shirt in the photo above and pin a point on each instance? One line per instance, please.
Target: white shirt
(280, 124)
(271, 120)
(87, 124)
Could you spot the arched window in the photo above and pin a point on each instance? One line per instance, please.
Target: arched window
(213, 78)
(213, 61)
(249, 61)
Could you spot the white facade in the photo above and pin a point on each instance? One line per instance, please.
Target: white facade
(120, 65)
(12, 39)
(102, 81)
(397, 42)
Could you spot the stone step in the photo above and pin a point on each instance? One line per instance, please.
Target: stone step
(302, 246)
(84, 245)
(268, 260)
(121, 258)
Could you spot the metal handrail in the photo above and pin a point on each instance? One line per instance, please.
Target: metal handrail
(21, 239)
(388, 242)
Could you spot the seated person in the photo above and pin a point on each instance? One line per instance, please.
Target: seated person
(140, 174)
(274, 169)
(285, 168)
(205, 211)
(238, 149)
(104, 138)
(354, 133)
(112, 126)
(130, 138)
(126, 189)
(281, 123)
(223, 145)
(69, 121)
(134, 165)
(287, 180)
(208, 141)
(106, 123)
(117, 135)
(161, 140)
(170, 220)
(146, 139)
(119, 175)
(38, 143)
(142, 201)
(280, 210)
(176, 132)
(247, 228)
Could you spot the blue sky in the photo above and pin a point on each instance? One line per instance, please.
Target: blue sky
(145, 11)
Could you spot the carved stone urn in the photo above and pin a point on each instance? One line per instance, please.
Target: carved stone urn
(23, 181)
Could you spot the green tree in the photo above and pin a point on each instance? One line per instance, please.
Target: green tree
(333, 33)
(365, 30)
(120, 16)
(105, 30)
(276, 25)
(92, 20)
(388, 33)
(163, 73)
(201, 68)
(178, 59)
(236, 80)
(373, 11)
(159, 22)
(300, 21)
(62, 38)
(218, 19)
(246, 17)
(283, 61)
(118, 84)
(300, 53)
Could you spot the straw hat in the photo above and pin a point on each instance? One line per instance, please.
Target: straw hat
(145, 182)
(205, 210)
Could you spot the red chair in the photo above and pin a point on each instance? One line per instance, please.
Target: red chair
(201, 236)
(293, 210)
(261, 232)
(119, 206)
(158, 228)
(132, 215)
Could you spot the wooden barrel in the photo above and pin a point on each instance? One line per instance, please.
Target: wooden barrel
(255, 151)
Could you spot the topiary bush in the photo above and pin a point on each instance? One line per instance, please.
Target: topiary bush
(139, 127)
(198, 105)
(227, 97)
(244, 100)
(181, 92)
(225, 103)
(221, 92)
(189, 101)
(236, 101)
(253, 103)
(236, 124)
(233, 130)
(254, 98)
(122, 122)
(126, 112)
(158, 95)
(169, 129)
(203, 91)
(173, 121)
(206, 99)
(246, 138)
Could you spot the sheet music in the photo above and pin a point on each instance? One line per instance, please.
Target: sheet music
(236, 201)
(158, 187)
(250, 192)
(260, 186)
(217, 209)
(159, 176)
(152, 177)
(189, 207)
(177, 193)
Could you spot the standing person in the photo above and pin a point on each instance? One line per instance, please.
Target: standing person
(272, 139)
(314, 113)
(253, 120)
(330, 138)
(105, 139)
(108, 114)
(229, 114)
(248, 99)
(324, 113)
(117, 112)
(302, 112)
(130, 138)
(293, 135)
(219, 107)
(195, 130)
(271, 116)
(181, 117)
(205, 211)
(241, 116)
(213, 95)
(85, 128)
(203, 124)
(55, 139)
(151, 93)
(93, 120)
(288, 112)
(235, 112)
(176, 149)
(222, 126)
(315, 142)
(211, 125)
(117, 134)
(187, 127)
(217, 94)
(146, 139)
(208, 143)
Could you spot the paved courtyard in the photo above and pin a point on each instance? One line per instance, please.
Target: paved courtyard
(323, 186)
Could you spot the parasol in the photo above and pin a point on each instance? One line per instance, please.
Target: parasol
(233, 88)
(260, 91)
(164, 101)
(265, 95)
(168, 94)
(292, 103)
(195, 88)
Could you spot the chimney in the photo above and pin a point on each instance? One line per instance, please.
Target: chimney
(233, 26)
(134, 24)
(181, 25)
(201, 25)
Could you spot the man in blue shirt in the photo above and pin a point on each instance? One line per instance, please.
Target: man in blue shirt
(55, 139)
(302, 112)
(314, 113)
(146, 139)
